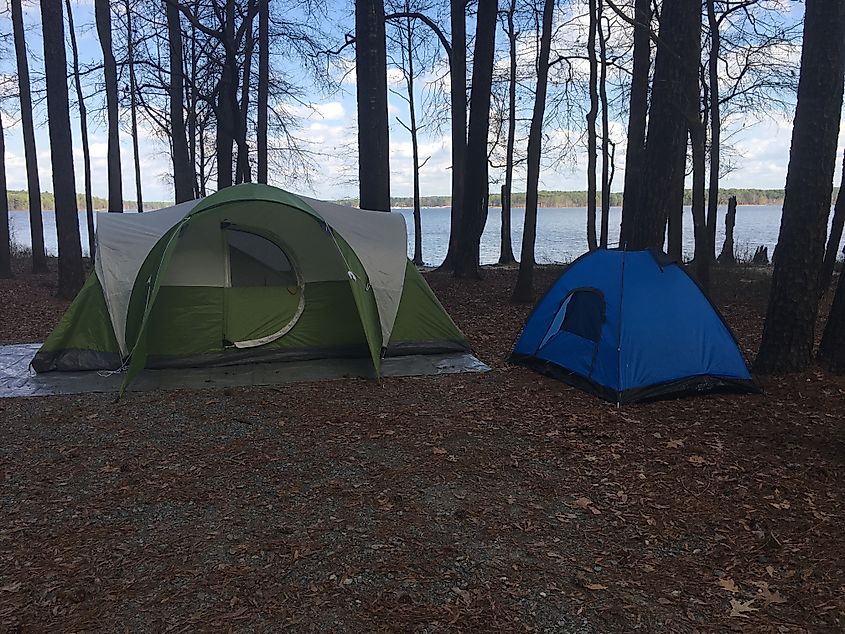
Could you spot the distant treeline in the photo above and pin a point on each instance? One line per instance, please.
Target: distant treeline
(579, 198)
(19, 201)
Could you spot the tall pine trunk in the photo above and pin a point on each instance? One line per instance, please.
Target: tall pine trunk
(83, 129)
(183, 172)
(415, 148)
(475, 189)
(33, 186)
(661, 191)
(715, 134)
(133, 105)
(699, 211)
(61, 150)
(506, 249)
(832, 346)
(788, 332)
(263, 87)
(373, 129)
(524, 290)
(592, 243)
(244, 170)
(5, 238)
(102, 13)
(227, 100)
(637, 111)
(835, 237)
(605, 133)
(458, 96)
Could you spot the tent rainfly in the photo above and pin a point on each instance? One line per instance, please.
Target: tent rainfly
(631, 325)
(251, 273)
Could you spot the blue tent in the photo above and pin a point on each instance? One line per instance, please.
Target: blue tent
(631, 325)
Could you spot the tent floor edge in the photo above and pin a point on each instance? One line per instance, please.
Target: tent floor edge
(688, 386)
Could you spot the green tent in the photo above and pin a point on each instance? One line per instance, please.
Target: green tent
(251, 273)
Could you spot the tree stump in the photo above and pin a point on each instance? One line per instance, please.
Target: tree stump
(727, 255)
(761, 256)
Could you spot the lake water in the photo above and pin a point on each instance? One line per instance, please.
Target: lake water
(561, 233)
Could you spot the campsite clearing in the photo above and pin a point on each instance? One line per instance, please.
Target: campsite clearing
(506, 501)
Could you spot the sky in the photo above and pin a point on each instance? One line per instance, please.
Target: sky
(329, 127)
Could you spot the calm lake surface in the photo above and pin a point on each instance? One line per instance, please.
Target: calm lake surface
(561, 233)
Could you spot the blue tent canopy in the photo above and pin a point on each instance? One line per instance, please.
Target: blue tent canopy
(630, 325)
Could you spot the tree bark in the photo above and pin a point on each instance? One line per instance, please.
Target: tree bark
(637, 111)
(835, 237)
(506, 249)
(61, 150)
(727, 255)
(415, 150)
(605, 132)
(662, 179)
(83, 129)
(102, 13)
(130, 48)
(183, 170)
(373, 129)
(244, 170)
(458, 95)
(5, 238)
(832, 346)
(524, 289)
(476, 187)
(227, 101)
(592, 243)
(715, 132)
(788, 332)
(263, 86)
(33, 186)
(699, 211)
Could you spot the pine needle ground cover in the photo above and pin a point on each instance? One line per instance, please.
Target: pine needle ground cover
(497, 502)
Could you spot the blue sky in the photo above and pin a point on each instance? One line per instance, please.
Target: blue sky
(329, 127)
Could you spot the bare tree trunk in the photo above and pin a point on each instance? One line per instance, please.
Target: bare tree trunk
(605, 132)
(130, 45)
(524, 290)
(191, 90)
(832, 249)
(636, 117)
(244, 171)
(832, 346)
(715, 131)
(5, 238)
(789, 329)
(227, 101)
(727, 255)
(373, 132)
(476, 187)
(33, 186)
(663, 161)
(102, 12)
(83, 126)
(263, 86)
(506, 250)
(61, 150)
(415, 151)
(183, 169)
(699, 212)
(592, 243)
(458, 94)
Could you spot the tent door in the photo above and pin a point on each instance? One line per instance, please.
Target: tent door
(578, 323)
(264, 294)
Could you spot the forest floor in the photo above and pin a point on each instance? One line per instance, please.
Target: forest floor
(498, 502)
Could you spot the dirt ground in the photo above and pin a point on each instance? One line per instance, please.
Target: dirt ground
(498, 502)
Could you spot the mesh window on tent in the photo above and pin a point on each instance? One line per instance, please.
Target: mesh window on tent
(256, 261)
